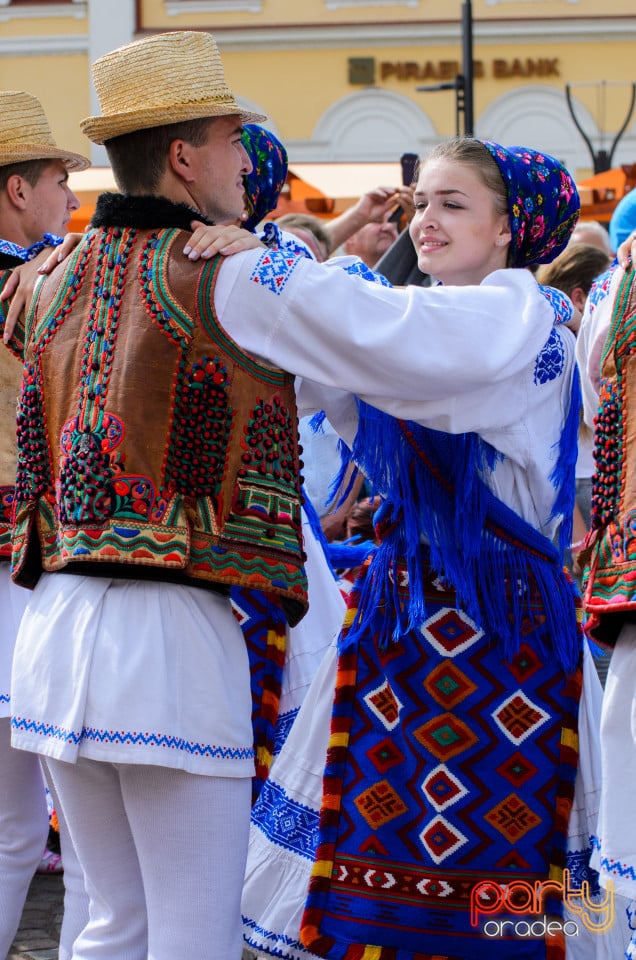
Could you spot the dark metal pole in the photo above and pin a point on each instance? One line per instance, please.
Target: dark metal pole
(467, 66)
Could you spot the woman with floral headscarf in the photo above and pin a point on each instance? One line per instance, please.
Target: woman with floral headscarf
(447, 793)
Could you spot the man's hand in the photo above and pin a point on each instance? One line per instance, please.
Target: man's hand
(226, 239)
(21, 282)
(19, 287)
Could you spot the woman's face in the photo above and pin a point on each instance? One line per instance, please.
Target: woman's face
(458, 235)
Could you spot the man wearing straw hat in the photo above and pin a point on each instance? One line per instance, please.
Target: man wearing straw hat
(158, 466)
(35, 206)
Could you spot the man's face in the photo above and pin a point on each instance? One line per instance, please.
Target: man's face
(49, 203)
(372, 240)
(218, 166)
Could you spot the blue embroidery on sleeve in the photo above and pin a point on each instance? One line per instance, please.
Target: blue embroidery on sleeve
(274, 269)
(550, 362)
(360, 269)
(561, 304)
(600, 287)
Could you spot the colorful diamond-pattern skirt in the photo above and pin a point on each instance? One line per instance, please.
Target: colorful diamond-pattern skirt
(447, 768)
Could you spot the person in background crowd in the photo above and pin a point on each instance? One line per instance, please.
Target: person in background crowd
(574, 271)
(35, 207)
(311, 230)
(372, 240)
(605, 353)
(623, 220)
(594, 233)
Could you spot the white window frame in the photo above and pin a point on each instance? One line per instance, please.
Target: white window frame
(35, 11)
(338, 4)
(492, 3)
(176, 7)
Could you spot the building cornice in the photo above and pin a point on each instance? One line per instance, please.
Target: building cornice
(353, 35)
(425, 34)
(38, 11)
(36, 46)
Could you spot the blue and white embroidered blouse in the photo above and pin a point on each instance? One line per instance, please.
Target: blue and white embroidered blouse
(479, 358)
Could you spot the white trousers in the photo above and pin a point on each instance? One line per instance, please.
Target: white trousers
(24, 827)
(617, 823)
(75, 916)
(163, 856)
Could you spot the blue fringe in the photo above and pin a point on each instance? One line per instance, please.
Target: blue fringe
(444, 516)
(316, 528)
(348, 554)
(563, 475)
(317, 421)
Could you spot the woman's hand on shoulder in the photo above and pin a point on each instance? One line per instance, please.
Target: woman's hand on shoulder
(206, 241)
(626, 253)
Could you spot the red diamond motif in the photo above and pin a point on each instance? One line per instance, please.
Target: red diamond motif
(451, 632)
(518, 717)
(524, 663)
(448, 685)
(517, 770)
(442, 788)
(384, 704)
(440, 839)
(445, 736)
(385, 755)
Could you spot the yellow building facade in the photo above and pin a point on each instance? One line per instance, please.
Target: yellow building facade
(340, 80)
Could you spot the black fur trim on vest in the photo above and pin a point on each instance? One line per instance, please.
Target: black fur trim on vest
(143, 212)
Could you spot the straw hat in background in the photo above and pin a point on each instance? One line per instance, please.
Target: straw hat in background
(25, 133)
(162, 79)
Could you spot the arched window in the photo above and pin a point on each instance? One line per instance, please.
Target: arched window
(371, 125)
(538, 116)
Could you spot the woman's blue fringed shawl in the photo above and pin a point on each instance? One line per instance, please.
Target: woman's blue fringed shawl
(433, 485)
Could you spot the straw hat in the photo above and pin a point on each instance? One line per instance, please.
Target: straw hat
(25, 133)
(165, 78)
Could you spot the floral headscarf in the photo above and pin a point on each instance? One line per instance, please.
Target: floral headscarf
(543, 202)
(269, 172)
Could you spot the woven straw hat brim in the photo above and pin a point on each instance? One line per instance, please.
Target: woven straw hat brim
(20, 152)
(101, 129)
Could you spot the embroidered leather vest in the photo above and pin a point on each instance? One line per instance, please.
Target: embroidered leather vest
(610, 595)
(149, 442)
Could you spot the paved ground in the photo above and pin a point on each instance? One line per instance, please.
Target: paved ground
(38, 935)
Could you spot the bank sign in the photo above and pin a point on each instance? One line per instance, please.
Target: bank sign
(366, 71)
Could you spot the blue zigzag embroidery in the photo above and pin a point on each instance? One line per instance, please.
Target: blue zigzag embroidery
(614, 866)
(132, 738)
(265, 936)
